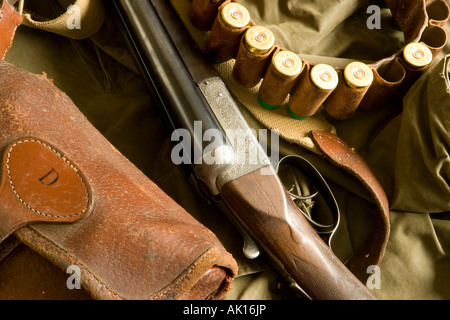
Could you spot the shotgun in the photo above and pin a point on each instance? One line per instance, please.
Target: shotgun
(196, 104)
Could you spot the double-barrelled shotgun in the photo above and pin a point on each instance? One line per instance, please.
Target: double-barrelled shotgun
(193, 97)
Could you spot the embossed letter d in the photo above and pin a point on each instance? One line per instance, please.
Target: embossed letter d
(49, 178)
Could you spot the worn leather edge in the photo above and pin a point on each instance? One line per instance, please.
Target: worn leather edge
(340, 154)
(199, 268)
(9, 21)
(98, 289)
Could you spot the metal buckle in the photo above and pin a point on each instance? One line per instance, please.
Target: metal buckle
(18, 4)
(20, 7)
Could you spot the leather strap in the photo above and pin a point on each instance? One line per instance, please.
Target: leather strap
(10, 19)
(341, 155)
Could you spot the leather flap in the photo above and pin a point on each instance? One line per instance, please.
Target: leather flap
(39, 184)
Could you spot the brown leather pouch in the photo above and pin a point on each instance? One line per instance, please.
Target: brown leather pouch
(75, 201)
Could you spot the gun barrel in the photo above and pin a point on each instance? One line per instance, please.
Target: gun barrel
(163, 68)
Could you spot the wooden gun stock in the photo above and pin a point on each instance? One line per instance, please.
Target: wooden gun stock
(265, 208)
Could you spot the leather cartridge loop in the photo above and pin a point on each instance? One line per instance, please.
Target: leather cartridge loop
(10, 19)
(420, 20)
(40, 184)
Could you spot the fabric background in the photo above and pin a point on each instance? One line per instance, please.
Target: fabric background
(406, 142)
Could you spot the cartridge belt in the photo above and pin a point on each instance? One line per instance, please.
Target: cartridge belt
(306, 85)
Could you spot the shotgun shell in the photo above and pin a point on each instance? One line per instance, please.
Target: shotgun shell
(235, 15)
(279, 79)
(324, 77)
(223, 41)
(287, 63)
(358, 75)
(345, 99)
(259, 40)
(254, 56)
(416, 59)
(312, 90)
(417, 55)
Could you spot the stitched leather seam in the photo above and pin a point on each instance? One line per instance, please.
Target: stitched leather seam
(72, 260)
(331, 150)
(65, 160)
(10, 44)
(205, 255)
